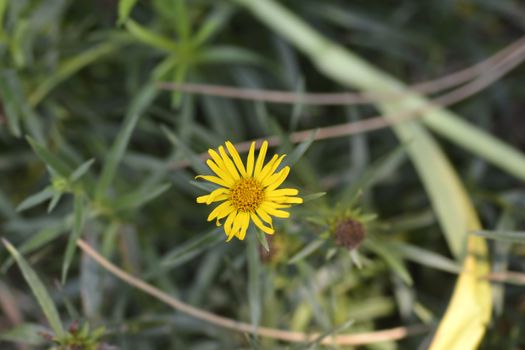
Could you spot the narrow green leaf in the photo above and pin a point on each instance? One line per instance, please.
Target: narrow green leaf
(391, 259)
(254, 280)
(313, 196)
(9, 101)
(81, 170)
(182, 23)
(307, 250)
(40, 292)
(213, 23)
(229, 54)
(261, 237)
(51, 160)
(69, 67)
(150, 38)
(124, 10)
(35, 242)
(140, 197)
(140, 103)
(299, 151)
(504, 236)
(25, 333)
(78, 226)
(54, 201)
(425, 257)
(193, 247)
(35, 199)
(196, 162)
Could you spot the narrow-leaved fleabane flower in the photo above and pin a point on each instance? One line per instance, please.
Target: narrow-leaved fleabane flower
(248, 193)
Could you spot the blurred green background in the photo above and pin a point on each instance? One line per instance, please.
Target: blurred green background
(92, 146)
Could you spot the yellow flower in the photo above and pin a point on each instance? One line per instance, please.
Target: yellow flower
(249, 193)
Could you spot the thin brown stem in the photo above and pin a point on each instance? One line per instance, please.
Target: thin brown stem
(228, 323)
(502, 67)
(345, 98)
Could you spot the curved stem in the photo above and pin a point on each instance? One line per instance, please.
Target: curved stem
(224, 322)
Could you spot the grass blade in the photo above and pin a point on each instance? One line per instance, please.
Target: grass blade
(137, 108)
(81, 170)
(40, 292)
(55, 163)
(504, 236)
(254, 280)
(124, 10)
(78, 226)
(35, 199)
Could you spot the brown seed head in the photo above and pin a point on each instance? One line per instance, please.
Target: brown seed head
(349, 233)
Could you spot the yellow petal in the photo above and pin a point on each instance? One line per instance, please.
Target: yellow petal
(263, 176)
(285, 199)
(222, 173)
(260, 225)
(276, 179)
(220, 211)
(204, 199)
(237, 224)
(282, 192)
(215, 194)
(236, 158)
(275, 212)
(260, 159)
(264, 215)
(228, 224)
(229, 164)
(244, 226)
(216, 158)
(214, 179)
(249, 162)
(266, 169)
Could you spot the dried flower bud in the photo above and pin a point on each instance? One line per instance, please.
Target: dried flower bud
(349, 233)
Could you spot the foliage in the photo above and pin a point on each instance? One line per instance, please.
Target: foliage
(92, 147)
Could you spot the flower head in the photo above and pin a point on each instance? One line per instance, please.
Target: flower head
(248, 193)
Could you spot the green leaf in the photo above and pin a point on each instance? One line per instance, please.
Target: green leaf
(254, 280)
(261, 237)
(12, 110)
(78, 227)
(391, 259)
(144, 98)
(313, 196)
(35, 242)
(307, 250)
(191, 248)
(35, 199)
(425, 257)
(229, 54)
(150, 38)
(140, 197)
(299, 151)
(196, 162)
(212, 24)
(38, 289)
(54, 201)
(81, 170)
(124, 10)
(182, 23)
(504, 236)
(25, 333)
(69, 67)
(51, 160)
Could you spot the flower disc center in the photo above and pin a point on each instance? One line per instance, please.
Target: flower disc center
(247, 195)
